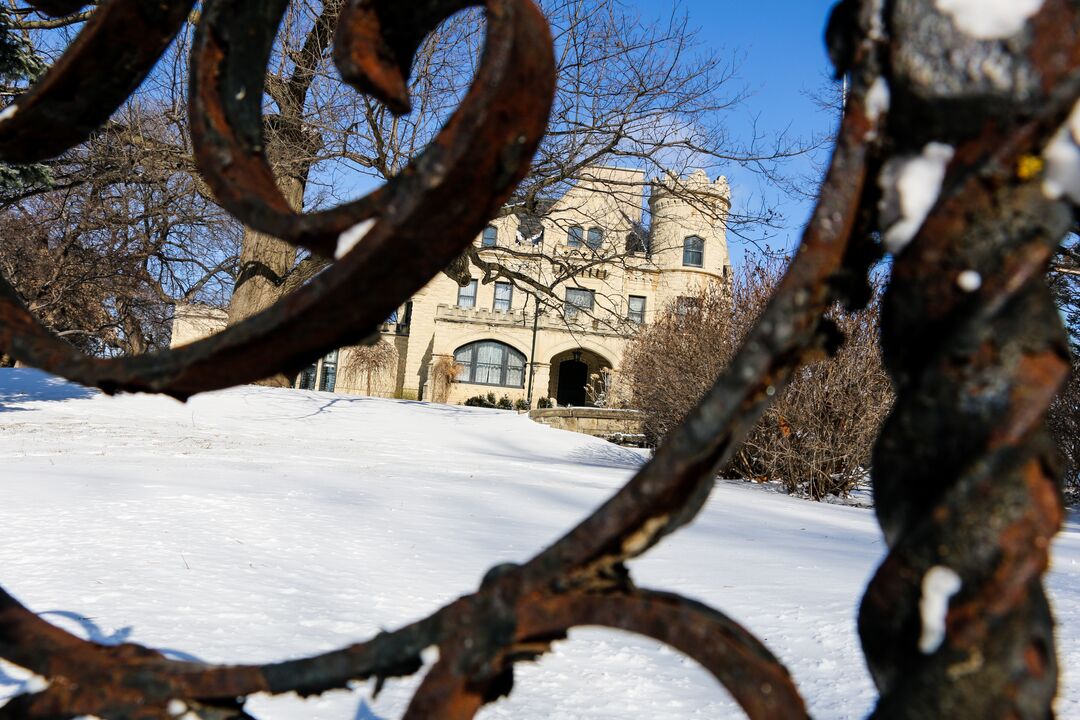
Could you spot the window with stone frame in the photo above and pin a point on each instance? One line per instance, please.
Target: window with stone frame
(489, 362)
(504, 297)
(466, 296)
(574, 236)
(636, 309)
(577, 300)
(595, 238)
(693, 253)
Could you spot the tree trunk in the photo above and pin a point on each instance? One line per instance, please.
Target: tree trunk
(265, 263)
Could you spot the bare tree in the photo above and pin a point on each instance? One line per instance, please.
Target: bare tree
(1063, 420)
(1063, 417)
(631, 92)
(642, 93)
(104, 251)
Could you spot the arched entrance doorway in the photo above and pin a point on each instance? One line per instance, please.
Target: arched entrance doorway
(573, 374)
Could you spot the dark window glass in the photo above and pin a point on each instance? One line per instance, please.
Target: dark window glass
(491, 237)
(596, 238)
(693, 252)
(329, 372)
(307, 377)
(577, 299)
(574, 236)
(504, 296)
(466, 296)
(637, 242)
(491, 363)
(636, 312)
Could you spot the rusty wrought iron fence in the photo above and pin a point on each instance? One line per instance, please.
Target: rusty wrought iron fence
(966, 479)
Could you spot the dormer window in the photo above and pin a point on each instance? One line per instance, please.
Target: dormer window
(693, 252)
(491, 237)
(530, 231)
(637, 242)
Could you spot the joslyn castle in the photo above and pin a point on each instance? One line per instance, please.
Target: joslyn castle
(551, 315)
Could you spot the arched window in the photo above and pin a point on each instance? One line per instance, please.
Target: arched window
(596, 238)
(491, 363)
(491, 237)
(693, 252)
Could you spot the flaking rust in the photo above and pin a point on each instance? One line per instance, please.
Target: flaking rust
(965, 474)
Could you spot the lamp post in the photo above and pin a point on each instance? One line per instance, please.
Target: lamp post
(532, 348)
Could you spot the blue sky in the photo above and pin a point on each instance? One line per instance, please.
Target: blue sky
(783, 57)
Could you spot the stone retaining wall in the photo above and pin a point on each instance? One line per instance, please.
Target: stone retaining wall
(621, 426)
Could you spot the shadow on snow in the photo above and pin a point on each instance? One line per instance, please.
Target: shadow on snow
(20, 385)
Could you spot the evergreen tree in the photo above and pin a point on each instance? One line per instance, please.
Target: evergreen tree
(19, 65)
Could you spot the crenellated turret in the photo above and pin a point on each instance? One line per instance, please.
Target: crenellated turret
(688, 221)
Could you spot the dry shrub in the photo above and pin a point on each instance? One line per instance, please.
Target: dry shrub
(1063, 420)
(674, 361)
(363, 365)
(817, 436)
(445, 371)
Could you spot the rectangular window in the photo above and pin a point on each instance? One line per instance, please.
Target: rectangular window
(577, 299)
(307, 377)
(328, 378)
(490, 238)
(515, 371)
(636, 313)
(504, 296)
(466, 296)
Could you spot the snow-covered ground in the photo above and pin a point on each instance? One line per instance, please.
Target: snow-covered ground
(255, 525)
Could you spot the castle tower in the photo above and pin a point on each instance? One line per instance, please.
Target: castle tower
(688, 241)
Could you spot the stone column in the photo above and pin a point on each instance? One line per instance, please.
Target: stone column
(541, 378)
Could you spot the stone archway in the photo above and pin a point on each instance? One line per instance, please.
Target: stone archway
(574, 373)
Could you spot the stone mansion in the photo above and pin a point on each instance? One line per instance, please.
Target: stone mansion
(552, 315)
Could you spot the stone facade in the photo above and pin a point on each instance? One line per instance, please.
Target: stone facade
(450, 343)
(194, 322)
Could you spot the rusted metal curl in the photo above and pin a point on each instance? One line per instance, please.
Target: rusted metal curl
(956, 623)
(422, 220)
(965, 475)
